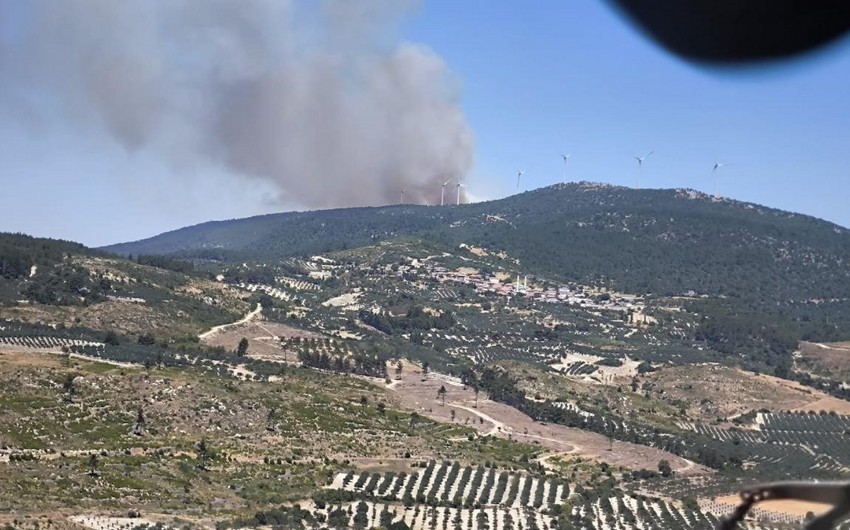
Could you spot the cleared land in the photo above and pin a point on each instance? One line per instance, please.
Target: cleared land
(830, 360)
(713, 391)
(419, 393)
(263, 338)
(790, 507)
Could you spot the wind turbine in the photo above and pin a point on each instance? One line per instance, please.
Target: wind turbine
(640, 160)
(443, 193)
(717, 165)
(565, 157)
(459, 186)
(402, 197)
(518, 176)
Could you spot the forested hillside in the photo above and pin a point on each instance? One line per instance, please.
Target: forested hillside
(59, 282)
(19, 252)
(647, 241)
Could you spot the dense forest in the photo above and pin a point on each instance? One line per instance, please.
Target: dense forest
(39, 270)
(19, 253)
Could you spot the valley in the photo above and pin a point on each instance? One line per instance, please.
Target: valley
(414, 381)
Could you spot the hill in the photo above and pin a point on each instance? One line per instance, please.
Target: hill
(646, 241)
(446, 370)
(61, 283)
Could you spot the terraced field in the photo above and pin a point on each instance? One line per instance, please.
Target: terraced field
(797, 443)
(45, 342)
(456, 486)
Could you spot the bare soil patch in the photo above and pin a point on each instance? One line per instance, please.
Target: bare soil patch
(263, 339)
(831, 356)
(720, 391)
(792, 507)
(830, 360)
(419, 393)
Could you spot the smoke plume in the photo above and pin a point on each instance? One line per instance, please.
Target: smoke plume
(323, 100)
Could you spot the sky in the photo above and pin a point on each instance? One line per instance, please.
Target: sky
(535, 80)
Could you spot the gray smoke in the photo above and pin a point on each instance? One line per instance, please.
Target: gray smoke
(321, 99)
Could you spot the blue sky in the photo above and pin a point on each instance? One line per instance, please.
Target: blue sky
(539, 79)
(548, 77)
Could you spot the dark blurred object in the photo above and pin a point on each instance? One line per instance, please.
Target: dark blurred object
(836, 494)
(739, 31)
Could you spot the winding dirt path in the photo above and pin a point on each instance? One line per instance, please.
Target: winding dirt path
(247, 318)
(497, 425)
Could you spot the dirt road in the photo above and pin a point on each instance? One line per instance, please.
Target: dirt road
(247, 318)
(419, 393)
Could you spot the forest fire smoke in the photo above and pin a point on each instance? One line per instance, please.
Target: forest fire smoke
(323, 100)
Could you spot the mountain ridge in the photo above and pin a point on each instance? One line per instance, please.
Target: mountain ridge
(663, 241)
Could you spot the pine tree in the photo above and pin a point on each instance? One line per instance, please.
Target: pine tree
(242, 348)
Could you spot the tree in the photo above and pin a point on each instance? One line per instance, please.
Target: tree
(68, 387)
(242, 348)
(140, 422)
(203, 454)
(271, 417)
(475, 391)
(441, 394)
(338, 519)
(425, 366)
(65, 361)
(381, 408)
(146, 339)
(398, 368)
(414, 419)
(645, 367)
(93, 465)
(111, 338)
(453, 413)
(664, 468)
(361, 517)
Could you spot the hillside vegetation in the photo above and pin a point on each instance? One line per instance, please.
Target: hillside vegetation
(658, 241)
(66, 284)
(581, 356)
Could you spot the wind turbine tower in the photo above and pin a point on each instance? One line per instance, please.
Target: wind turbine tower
(565, 157)
(459, 186)
(402, 197)
(443, 193)
(717, 165)
(640, 160)
(519, 176)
